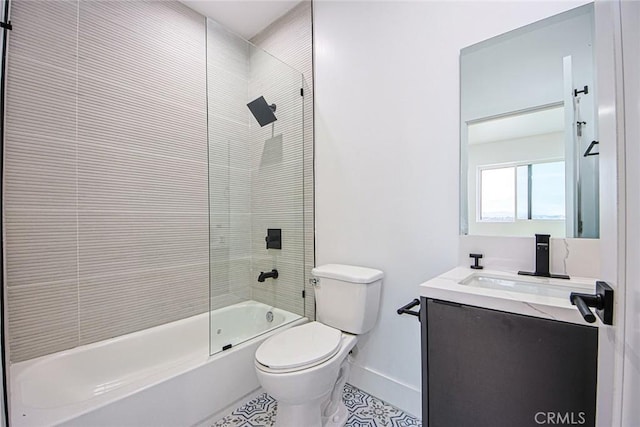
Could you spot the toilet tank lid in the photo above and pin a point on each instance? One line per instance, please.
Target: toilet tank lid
(348, 273)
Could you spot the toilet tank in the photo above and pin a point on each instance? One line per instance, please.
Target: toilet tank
(347, 297)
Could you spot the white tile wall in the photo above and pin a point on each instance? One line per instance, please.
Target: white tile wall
(106, 179)
(142, 166)
(290, 39)
(41, 97)
(256, 181)
(122, 117)
(47, 32)
(50, 164)
(277, 182)
(229, 168)
(161, 294)
(42, 317)
(113, 194)
(41, 246)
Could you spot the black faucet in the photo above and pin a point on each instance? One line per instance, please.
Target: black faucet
(270, 274)
(542, 259)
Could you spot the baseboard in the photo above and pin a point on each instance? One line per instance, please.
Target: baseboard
(392, 391)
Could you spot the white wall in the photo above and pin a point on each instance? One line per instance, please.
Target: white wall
(387, 132)
(631, 45)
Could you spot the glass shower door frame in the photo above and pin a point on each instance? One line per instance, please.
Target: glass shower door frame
(6, 27)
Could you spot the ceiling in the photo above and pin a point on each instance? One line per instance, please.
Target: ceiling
(244, 17)
(517, 126)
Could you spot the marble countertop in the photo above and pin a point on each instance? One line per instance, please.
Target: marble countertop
(447, 287)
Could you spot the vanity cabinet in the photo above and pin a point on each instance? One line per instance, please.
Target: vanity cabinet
(483, 367)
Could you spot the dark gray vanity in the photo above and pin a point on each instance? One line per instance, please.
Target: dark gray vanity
(485, 367)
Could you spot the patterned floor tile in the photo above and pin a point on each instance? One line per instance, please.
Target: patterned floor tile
(258, 412)
(364, 411)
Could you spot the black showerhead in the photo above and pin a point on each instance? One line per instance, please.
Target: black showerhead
(262, 111)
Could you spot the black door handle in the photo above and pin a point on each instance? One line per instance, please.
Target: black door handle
(583, 308)
(602, 301)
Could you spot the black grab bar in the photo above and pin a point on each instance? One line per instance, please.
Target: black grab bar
(406, 309)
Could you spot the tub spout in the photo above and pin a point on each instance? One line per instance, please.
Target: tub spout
(270, 274)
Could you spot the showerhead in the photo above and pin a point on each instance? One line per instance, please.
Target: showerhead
(262, 111)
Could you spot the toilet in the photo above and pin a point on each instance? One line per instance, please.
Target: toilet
(305, 367)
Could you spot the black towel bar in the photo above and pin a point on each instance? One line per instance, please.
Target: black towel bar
(406, 309)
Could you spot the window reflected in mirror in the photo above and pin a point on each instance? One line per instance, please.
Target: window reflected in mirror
(522, 192)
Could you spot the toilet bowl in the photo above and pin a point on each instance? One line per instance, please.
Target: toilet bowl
(307, 382)
(306, 367)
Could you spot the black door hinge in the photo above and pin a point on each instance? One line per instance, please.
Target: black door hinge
(6, 25)
(301, 92)
(304, 294)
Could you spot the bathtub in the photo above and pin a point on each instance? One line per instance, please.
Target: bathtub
(162, 376)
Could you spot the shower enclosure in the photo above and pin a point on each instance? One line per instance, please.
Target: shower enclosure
(139, 189)
(256, 141)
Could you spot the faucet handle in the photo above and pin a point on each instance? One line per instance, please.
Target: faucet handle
(476, 264)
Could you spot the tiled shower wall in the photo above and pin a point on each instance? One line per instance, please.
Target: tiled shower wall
(106, 171)
(290, 39)
(230, 166)
(106, 214)
(255, 179)
(276, 183)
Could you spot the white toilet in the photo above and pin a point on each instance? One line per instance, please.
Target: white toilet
(305, 367)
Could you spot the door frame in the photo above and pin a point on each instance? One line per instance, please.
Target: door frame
(630, 387)
(610, 95)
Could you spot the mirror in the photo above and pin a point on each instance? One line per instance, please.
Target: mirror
(529, 161)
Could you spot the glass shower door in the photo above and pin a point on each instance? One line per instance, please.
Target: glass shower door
(4, 17)
(255, 190)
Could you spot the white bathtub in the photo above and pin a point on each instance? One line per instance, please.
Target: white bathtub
(162, 376)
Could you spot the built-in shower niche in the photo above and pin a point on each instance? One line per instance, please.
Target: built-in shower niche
(255, 136)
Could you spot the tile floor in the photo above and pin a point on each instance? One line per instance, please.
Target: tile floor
(364, 411)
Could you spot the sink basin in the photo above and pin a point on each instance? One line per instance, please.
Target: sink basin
(524, 286)
(542, 297)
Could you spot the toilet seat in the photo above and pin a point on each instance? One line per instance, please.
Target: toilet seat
(299, 348)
